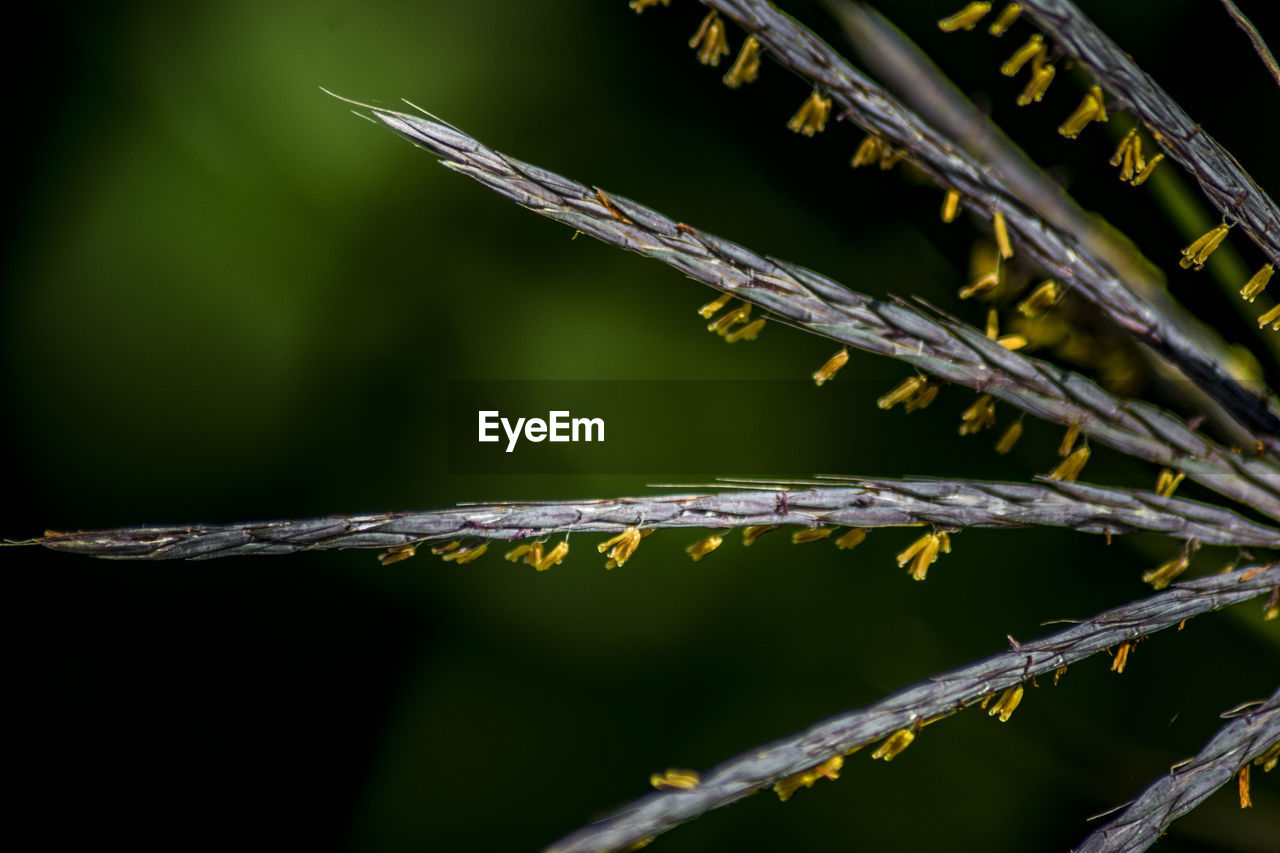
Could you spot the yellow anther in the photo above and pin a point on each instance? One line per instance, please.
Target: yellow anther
(889, 157)
(1057, 674)
(1002, 235)
(722, 324)
(751, 534)
(1163, 575)
(448, 546)
(462, 557)
(703, 547)
(811, 118)
(993, 324)
(749, 332)
(1012, 342)
(1022, 56)
(1245, 800)
(1068, 442)
(623, 546)
(831, 368)
(829, 769)
(1125, 144)
(852, 539)
(811, 534)
(923, 399)
(894, 744)
(1004, 20)
(1038, 84)
(1122, 658)
(980, 415)
(675, 780)
(396, 554)
(1202, 247)
(1267, 761)
(1258, 283)
(987, 284)
(1145, 171)
(1091, 109)
(1006, 704)
(1167, 482)
(1041, 299)
(965, 19)
(639, 6)
(530, 551)
(1070, 468)
(746, 68)
(1272, 317)
(868, 152)
(554, 557)
(710, 40)
(713, 307)
(950, 206)
(1010, 437)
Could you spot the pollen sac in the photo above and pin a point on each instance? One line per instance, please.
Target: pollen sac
(1167, 482)
(726, 321)
(1091, 109)
(1258, 283)
(950, 206)
(714, 306)
(554, 557)
(710, 40)
(396, 554)
(1199, 251)
(1004, 20)
(965, 19)
(984, 285)
(623, 546)
(703, 547)
(746, 68)
(1145, 171)
(751, 534)
(1069, 440)
(639, 6)
(1002, 235)
(1010, 437)
(1272, 317)
(829, 769)
(909, 388)
(868, 152)
(1121, 659)
(448, 546)
(1006, 704)
(825, 373)
(1243, 786)
(852, 539)
(893, 745)
(1267, 761)
(1041, 299)
(811, 534)
(923, 553)
(923, 399)
(1163, 575)
(1022, 56)
(675, 780)
(1041, 77)
(1070, 468)
(812, 116)
(462, 556)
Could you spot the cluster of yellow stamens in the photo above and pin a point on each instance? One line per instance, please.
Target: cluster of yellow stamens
(825, 373)
(913, 393)
(923, 553)
(703, 547)
(980, 415)
(1203, 246)
(1134, 168)
(1257, 283)
(966, 18)
(1091, 109)
(1167, 482)
(748, 330)
(746, 68)
(710, 40)
(1006, 704)
(829, 769)
(623, 546)
(675, 780)
(1165, 574)
(893, 746)
(1041, 299)
(1121, 659)
(1009, 342)
(812, 116)
(532, 554)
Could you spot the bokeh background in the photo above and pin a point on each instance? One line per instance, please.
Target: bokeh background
(225, 297)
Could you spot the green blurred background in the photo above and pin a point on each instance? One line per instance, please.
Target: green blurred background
(225, 297)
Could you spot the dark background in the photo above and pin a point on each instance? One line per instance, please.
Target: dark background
(225, 297)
